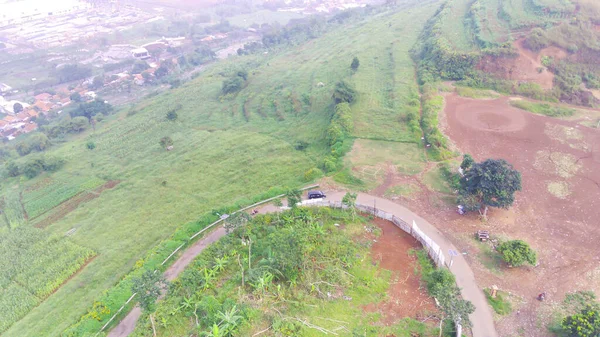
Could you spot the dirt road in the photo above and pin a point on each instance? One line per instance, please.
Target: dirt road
(127, 325)
(482, 319)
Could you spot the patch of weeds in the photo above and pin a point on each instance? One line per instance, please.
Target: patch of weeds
(490, 258)
(500, 304)
(347, 178)
(476, 93)
(543, 108)
(564, 165)
(559, 189)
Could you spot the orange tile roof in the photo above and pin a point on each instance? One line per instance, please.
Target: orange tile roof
(43, 97)
(29, 127)
(32, 113)
(9, 119)
(43, 106)
(22, 115)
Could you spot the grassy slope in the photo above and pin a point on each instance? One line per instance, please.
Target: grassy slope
(218, 158)
(224, 151)
(454, 28)
(385, 79)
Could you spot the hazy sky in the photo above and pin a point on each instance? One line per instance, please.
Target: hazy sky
(12, 9)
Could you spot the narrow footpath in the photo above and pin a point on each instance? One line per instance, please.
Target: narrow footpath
(482, 319)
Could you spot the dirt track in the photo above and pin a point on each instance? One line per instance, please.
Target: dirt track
(127, 324)
(557, 212)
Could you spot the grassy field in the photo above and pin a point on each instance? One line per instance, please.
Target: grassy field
(492, 28)
(454, 29)
(385, 79)
(225, 149)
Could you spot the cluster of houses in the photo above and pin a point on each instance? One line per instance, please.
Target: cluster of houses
(17, 123)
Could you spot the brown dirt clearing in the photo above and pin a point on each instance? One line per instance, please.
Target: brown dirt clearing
(556, 212)
(405, 296)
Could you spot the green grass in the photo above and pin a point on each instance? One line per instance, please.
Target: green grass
(407, 158)
(39, 264)
(435, 181)
(476, 93)
(491, 259)
(40, 200)
(459, 35)
(546, 109)
(226, 149)
(500, 304)
(261, 17)
(15, 302)
(493, 29)
(385, 80)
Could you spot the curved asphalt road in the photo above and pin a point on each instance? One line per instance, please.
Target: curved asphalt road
(483, 323)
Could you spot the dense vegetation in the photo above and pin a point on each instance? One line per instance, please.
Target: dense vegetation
(288, 274)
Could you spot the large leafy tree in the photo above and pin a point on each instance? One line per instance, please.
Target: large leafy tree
(517, 253)
(492, 183)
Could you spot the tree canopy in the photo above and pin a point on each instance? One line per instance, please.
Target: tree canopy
(148, 287)
(517, 253)
(344, 92)
(492, 183)
(17, 107)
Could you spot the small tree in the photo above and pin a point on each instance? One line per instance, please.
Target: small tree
(12, 169)
(491, 183)
(293, 197)
(17, 107)
(343, 92)
(517, 253)
(441, 284)
(584, 324)
(355, 63)
(236, 220)
(467, 162)
(75, 97)
(90, 145)
(172, 115)
(148, 287)
(166, 142)
(349, 200)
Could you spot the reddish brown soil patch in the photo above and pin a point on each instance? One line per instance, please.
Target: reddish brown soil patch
(525, 67)
(405, 296)
(563, 231)
(70, 205)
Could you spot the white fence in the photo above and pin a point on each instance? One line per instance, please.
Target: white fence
(433, 249)
(192, 238)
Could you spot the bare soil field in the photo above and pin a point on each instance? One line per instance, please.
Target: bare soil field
(525, 67)
(405, 297)
(557, 212)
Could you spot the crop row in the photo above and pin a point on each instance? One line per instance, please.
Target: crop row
(38, 202)
(15, 302)
(39, 262)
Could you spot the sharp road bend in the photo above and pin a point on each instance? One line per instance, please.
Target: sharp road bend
(482, 319)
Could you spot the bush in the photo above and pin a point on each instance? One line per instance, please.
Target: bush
(90, 145)
(343, 92)
(232, 85)
(312, 174)
(517, 253)
(537, 40)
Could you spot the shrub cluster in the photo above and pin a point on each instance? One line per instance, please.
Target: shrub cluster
(338, 136)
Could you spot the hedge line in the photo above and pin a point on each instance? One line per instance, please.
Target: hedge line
(112, 299)
(338, 137)
(432, 103)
